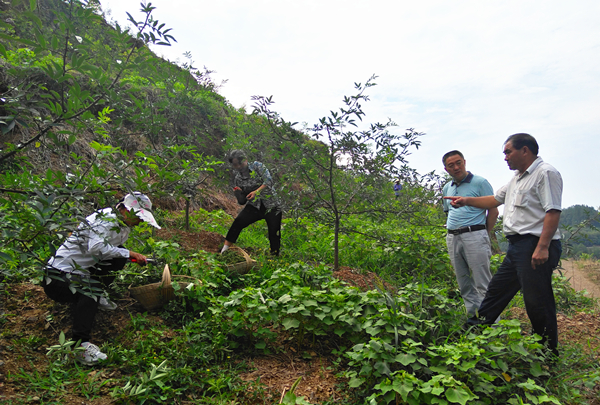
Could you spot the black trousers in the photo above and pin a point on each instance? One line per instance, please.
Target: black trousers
(85, 307)
(250, 215)
(514, 274)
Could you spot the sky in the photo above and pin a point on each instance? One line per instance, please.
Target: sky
(466, 73)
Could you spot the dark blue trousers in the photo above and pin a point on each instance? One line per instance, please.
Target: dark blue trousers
(250, 215)
(515, 273)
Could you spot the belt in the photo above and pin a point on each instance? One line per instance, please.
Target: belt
(516, 237)
(471, 228)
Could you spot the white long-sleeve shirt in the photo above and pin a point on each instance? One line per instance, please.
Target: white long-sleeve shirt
(96, 239)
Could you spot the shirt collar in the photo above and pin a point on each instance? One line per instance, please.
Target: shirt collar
(465, 180)
(538, 161)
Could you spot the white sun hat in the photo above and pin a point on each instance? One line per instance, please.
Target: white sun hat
(142, 206)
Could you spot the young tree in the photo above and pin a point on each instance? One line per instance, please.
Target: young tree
(63, 92)
(74, 87)
(344, 170)
(178, 171)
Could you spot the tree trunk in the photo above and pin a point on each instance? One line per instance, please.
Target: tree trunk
(187, 214)
(336, 251)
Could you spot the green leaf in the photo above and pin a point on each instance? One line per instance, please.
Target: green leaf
(310, 303)
(406, 359)
(382, 367)
(297, 309)
(339, 331)
(35, 19)
(355, 382)
(284, 299)
(54, 42)
(336, 312)
(9, 127)
(536, 370)
(403, 387)
(530, 385)
(518, 347)
(467, 365)
(290, 323)
(546, 398)
(3, 51)
(64, 78)
(320, 315)
(17, 39)
(32, 4)
(459, 395)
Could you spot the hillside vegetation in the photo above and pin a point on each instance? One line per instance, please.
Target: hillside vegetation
(89, 113)
(581, 228)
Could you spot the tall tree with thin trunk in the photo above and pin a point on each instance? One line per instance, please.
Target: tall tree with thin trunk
(343, 170)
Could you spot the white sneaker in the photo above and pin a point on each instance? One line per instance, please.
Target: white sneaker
(105, 304)
(91, 355)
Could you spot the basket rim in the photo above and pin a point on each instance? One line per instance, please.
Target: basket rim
(160, 284)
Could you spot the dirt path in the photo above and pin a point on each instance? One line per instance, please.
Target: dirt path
(579, 279)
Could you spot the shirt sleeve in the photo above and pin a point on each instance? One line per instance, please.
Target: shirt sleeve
(445, 203)
(549, 190)
(99, 243)
(485, 188)
(264, 174)
(500, 195)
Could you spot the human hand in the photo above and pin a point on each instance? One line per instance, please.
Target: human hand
(539, 257)
(456, 201)
(137, 258)
(251, 195)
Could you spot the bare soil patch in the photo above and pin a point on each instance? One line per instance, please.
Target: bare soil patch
(363, 280)
(583, 275)
(278, 373)
(193, 241)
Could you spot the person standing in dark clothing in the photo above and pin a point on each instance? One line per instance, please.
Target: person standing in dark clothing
(254, 188)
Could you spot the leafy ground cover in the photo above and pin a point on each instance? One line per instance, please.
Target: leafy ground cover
(27, 333)
(246, 345)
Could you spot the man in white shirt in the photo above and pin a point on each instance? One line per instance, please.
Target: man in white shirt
(85, 263)
(532, 211)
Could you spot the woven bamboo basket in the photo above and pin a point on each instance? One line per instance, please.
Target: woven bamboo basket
(154, 296)
(241, 267)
